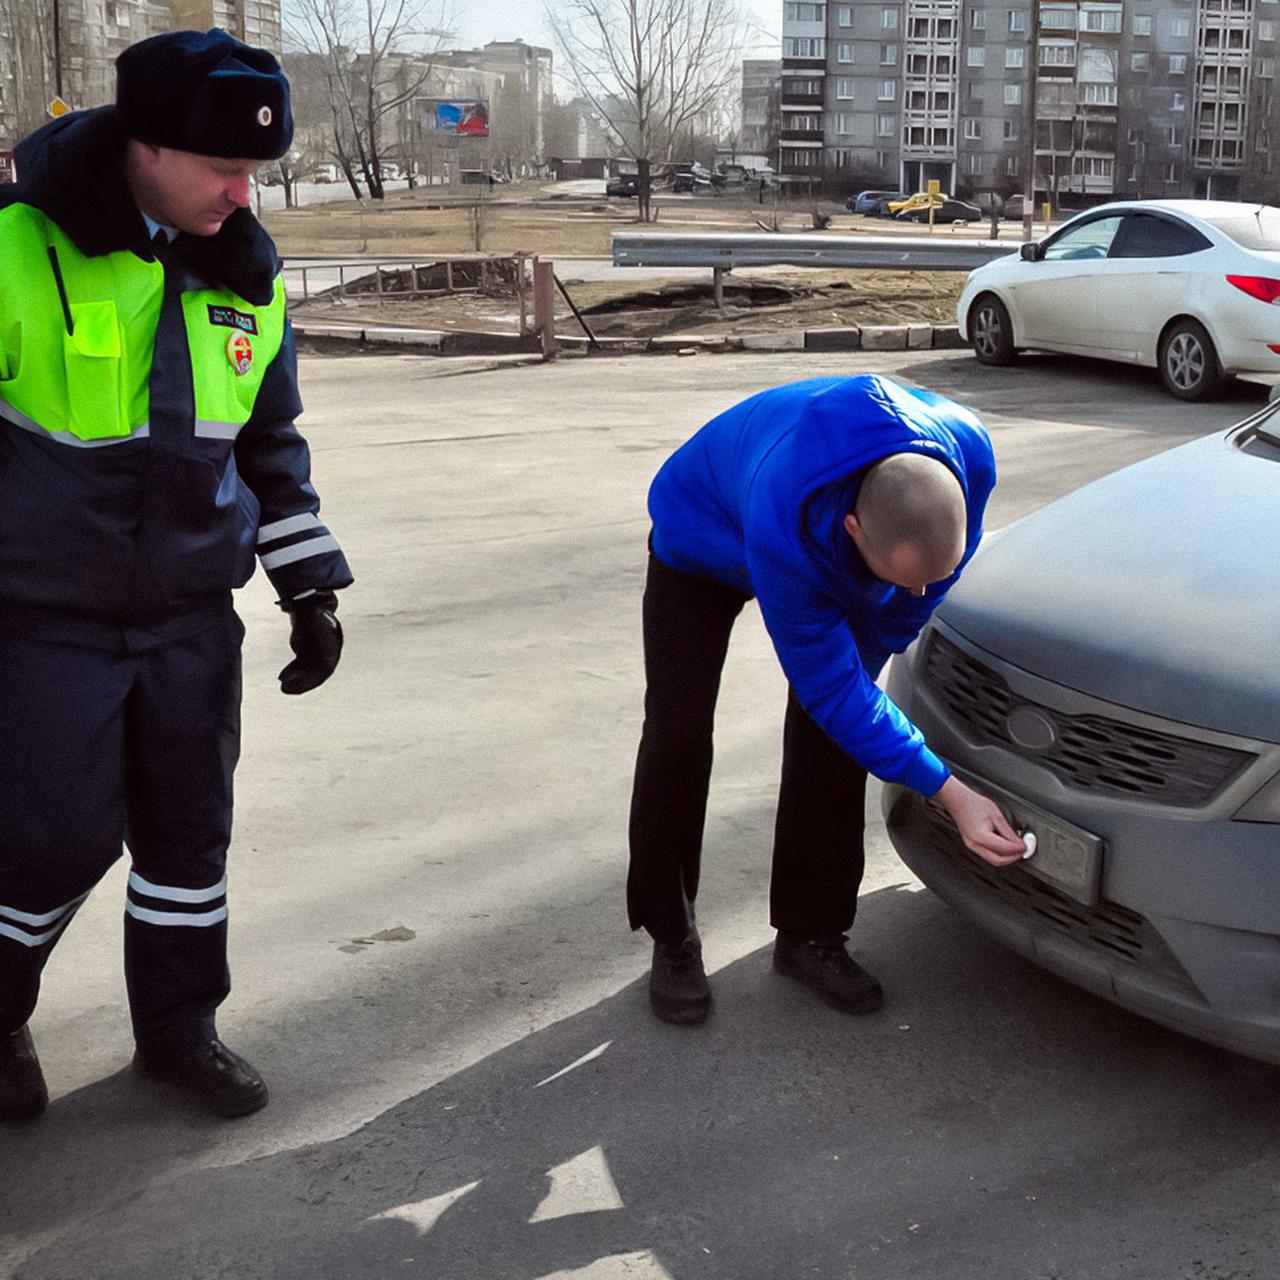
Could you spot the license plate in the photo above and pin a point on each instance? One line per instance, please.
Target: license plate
(1067, 857)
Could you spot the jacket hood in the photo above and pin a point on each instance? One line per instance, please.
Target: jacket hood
(72, 170)
(1154, 588)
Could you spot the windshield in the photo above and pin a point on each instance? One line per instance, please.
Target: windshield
(1253, 227)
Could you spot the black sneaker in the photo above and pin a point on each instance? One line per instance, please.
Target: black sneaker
(23, 1094)
(678, 987)
(211, 1074)
(825, 965)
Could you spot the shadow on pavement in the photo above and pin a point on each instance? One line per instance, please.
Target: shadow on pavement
(990, 1121)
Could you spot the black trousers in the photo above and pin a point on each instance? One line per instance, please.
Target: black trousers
(817, 848)
(99, 748)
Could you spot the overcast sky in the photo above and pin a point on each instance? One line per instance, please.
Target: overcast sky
(480, 20)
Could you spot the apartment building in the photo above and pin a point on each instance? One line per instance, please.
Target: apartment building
(1131, 97)
(761, 80)
(91, 34)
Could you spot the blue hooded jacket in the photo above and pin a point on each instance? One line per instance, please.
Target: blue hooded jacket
(756, 500)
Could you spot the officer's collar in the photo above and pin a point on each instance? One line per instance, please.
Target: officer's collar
(72, 170)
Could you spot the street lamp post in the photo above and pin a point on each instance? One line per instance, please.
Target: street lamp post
(57, 47)
(1029, 163)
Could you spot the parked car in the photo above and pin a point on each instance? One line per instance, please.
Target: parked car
(884, 208)
(325, 173)
(623, 186)
(1185, 286)
(1106, 671)
(945, 210)
(865, 202)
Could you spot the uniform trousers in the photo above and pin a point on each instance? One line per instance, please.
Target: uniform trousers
(817, 849)
(101, 747)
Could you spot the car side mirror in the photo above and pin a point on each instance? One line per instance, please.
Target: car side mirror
(1032, 252)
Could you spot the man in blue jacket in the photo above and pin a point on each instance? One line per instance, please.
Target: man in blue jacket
(148, 458)
(846, 507)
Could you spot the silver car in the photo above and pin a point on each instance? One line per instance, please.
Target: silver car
(1107, 670)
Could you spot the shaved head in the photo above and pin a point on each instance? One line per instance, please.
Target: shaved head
(909, 520)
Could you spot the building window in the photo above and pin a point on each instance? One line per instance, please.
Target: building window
(1175, 136)
(844, 90)
(844, 52)
(804, 12)
(917, 64)
(1171, 172)
(1140, 62)
(1177, 64)
(804, 122)
(802, 88)
(973, 130)
(1012, 95)
(1011, 166)
(1010, 131)
(976, 56)
(1179, 102)
(1017, 21)
(804, 47)
(842, 122)
(844, 15)
(888, 91)
(1266, 30)
(888, 55)
(888, 19)
(1015, 56)
(882, 160)
(946, 29)
(1181, 27)
(973, 162)
(1057, 55)
(1142, 24)
(1266, 68)
(1106, 20)
(978, 19)
(886, 126)
(1099, 95)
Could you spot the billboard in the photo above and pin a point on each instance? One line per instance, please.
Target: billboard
(469, 119)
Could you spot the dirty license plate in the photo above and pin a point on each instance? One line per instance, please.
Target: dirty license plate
(1067, 857)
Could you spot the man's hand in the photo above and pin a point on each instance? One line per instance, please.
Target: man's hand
(316, 639)
(983, 828)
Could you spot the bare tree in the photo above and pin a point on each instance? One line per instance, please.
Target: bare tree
(650, 68)
(373, 54)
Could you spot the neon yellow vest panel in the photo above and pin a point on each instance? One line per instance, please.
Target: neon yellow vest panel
(86, 382)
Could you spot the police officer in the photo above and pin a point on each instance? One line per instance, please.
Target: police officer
(147, 454)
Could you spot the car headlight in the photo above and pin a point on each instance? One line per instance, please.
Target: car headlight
(1265, 806)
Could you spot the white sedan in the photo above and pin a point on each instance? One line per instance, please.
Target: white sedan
(1189, 286)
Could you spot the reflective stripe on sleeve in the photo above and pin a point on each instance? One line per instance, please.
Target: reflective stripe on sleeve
(299, 551)
(290, 524)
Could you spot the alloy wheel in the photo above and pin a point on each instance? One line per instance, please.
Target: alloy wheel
(1185, 361)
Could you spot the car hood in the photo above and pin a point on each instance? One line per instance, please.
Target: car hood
(1156, 588)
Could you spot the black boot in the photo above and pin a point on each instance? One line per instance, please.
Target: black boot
(210, 1074)
(825, 965)
(678, 987)
(23, 1094)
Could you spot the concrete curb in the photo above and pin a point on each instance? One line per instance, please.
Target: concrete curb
(463, 342)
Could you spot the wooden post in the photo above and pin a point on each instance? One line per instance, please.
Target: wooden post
(717, 286)
(544, 306)
(520, 283)
(448, 275)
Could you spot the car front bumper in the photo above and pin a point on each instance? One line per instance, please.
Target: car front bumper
(1185, 927)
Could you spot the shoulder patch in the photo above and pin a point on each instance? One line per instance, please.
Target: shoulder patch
(230, 318)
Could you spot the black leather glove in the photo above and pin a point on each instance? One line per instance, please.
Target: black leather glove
(316, 639)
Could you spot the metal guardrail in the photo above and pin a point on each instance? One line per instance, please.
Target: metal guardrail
(725, 252)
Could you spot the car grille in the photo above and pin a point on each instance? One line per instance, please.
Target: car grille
(1090, 752)
(1108, 930)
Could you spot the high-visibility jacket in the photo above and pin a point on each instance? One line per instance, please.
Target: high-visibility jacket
(147, 445)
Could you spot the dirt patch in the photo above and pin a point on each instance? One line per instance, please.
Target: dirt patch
(754, 302)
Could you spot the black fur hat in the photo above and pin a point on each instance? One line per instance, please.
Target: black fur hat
(204, 91)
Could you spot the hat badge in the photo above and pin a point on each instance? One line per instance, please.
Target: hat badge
(240, 353)
(264, 116)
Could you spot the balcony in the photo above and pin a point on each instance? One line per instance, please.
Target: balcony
(800, 135)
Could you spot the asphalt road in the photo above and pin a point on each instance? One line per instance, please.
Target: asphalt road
(427, 926)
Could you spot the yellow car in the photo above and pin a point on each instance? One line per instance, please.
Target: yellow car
(921, 200)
